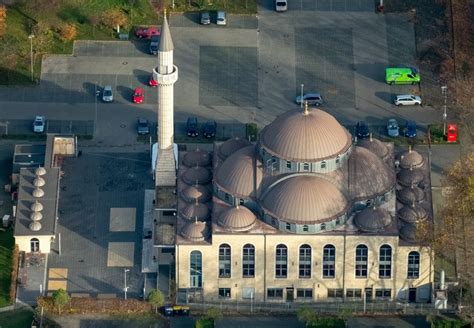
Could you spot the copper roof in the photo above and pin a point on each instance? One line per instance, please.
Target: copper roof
(241, 173)
(191, 193)
(231, 146)
(197, 211)
(195, 231)
(374, 145)
(198, 174)
(369, 176)
(409, 177)
(408, 195)
(411, 158)
(237, 218)
(304, 199)
(197, 157)
(305, 137)
(372, 219)
(408, 233)
(412, 213)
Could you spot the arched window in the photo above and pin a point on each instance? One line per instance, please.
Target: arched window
(385, 262)
(34, 245)
(362, 254)
(323, 164)
(323, 226)
(195, 269)
(413, 265)
(329, 261)
(305, 261)
(338, 159)
(248, 261)
(305, 228)
(305, 166)
(224, 261)
(281, 261)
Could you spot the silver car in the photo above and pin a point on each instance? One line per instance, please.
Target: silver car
(107, 94)
(221, 20)
(393, 130)
(407, 100)
(311, 98)
(205, 18)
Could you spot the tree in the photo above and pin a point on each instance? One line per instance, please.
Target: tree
(114, 18)
(214, 313)
(156, 299)
(68, 32)
(344, 314)
(3, 20)
(307, 315)
(60, 298)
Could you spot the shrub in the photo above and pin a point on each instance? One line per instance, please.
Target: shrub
(14, 274)
(113, 18)
(204, 323)
(156, 299)
(60, 299)
(68, 32)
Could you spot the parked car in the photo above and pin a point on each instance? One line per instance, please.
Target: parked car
(209, 130)
(393, 130)
(205, 18)
(402, 75)
(146, 32)
(410, 129)
(281, 5)
(154, 43)
(142, 126)
(407, 100)
(312, 99)
(39, 124)
(107, 94)
(221, 18)
(192, 127)
(138, 96)
(362, 130)
(152, 82)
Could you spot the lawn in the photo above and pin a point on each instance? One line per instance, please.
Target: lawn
(6, 248)
(231, 6)
(16, 319)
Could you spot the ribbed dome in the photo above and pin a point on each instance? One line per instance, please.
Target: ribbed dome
(36, 206)
(304, 199)
(197, 157)
(241, 173)
(36, 216)
(39, 182)
(197, 211)
(372, 219)
(374, 145)
(410, 195)
(38, 193)
(313, 137)
(231, 146)
(40, 171)
(191, 193)
(369, 176)
(195, 231)
(409, 177)
(237, 218)
(408, 233)
(35, 226)
(199, 175)
(412, 213)
(411, 158)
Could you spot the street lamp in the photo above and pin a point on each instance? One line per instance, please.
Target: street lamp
(444, 92)
(31, 36)
(125, 288)
(96, 93)
(301, 102)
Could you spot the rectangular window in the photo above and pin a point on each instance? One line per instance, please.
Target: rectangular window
(281, 265)
(224, 292)
(333, 293)
(413, 265)
(288, 226)
(248, 262)
(323, 165)
(361, 261)
(305, 166)
(329, 262)
(383, 293)
(275, 293)
(305, 262)
(304, 293)
(288, 164)
(224, 262)
(353, 293)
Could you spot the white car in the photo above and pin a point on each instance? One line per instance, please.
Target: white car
(107, 94)
(313, 99)
(39, 124)
(281, 5)
(407, 100)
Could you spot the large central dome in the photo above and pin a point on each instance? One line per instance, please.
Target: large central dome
(309, 136)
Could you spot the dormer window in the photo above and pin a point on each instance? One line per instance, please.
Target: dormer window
(305, 166)
(323, 226)
(305, 228)
(288, 164)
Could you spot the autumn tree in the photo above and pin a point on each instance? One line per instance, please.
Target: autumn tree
(156, 299)
(3, 20)
(114, 18)
(68, 32)
(307, 315)
(60, 299)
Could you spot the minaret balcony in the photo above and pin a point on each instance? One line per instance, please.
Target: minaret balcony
(165, 79)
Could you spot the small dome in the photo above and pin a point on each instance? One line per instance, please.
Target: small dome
(369, 175)
(191, 193)
(231, 146)
(409, 177)
(39, 182)
(197, 211)
(408, 233)
(197, 175)
(410, 195)
(195, 231)
(36, 216)
(412, 213)
(36, 206)
(40, 171)
(35, 226)
(374, 145)
(411, 158)
(304, 199)
(237, 218)
(241, 173)
(308, 136)
(197, 157)
(38, 193)
(372, 219)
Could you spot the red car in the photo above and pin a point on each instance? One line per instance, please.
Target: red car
(152, 82)
(146, 32)
(138, 96)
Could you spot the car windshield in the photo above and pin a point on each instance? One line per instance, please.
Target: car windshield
(137, 94)
(107, 93)
(38, 123)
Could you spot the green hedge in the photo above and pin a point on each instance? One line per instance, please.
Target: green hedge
(204, 323)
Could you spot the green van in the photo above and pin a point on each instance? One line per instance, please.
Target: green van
(396, 75)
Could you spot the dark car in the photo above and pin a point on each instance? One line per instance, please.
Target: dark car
(209, 130)
(362, 130)
(410, 129)
(192, 127)
(154, 43)
(143, 126)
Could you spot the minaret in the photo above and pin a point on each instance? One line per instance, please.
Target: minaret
(166, 74)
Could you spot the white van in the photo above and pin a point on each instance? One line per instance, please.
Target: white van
(281, 5)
